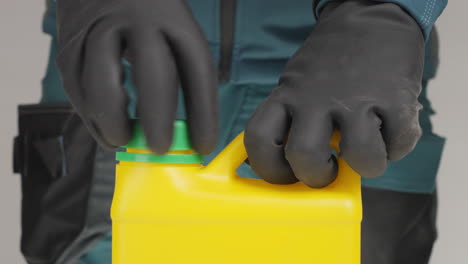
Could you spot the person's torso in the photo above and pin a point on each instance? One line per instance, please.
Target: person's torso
(251, 42)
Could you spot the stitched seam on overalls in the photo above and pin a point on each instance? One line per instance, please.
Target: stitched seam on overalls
(428, 11)
(245, 97)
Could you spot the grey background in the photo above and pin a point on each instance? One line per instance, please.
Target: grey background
(23, 54)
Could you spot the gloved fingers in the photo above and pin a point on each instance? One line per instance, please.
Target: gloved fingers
(102, 101)
(155, 76)
(265, 137)
(199, 83)
(362, 145)
(401, 130)
(308, 150)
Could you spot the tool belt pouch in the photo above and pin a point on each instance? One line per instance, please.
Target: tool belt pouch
(55, 155)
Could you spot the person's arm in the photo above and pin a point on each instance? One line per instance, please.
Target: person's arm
(424, 12)
(359, 72)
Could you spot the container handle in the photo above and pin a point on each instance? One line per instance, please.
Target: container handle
(232, 156)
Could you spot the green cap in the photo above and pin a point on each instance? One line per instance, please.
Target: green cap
(180, 142)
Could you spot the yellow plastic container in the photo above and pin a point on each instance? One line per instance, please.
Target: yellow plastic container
(186, 213)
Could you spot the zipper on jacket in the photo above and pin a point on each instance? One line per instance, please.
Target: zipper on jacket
(227, 26)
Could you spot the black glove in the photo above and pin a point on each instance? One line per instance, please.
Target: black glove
(164, 44)
(358, 72)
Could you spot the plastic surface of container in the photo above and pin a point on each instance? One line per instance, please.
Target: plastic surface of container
(187, 213)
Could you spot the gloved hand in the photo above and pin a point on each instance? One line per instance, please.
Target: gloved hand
(164, 44)
(359, 72)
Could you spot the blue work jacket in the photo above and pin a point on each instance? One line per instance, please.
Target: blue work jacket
(251, 52)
